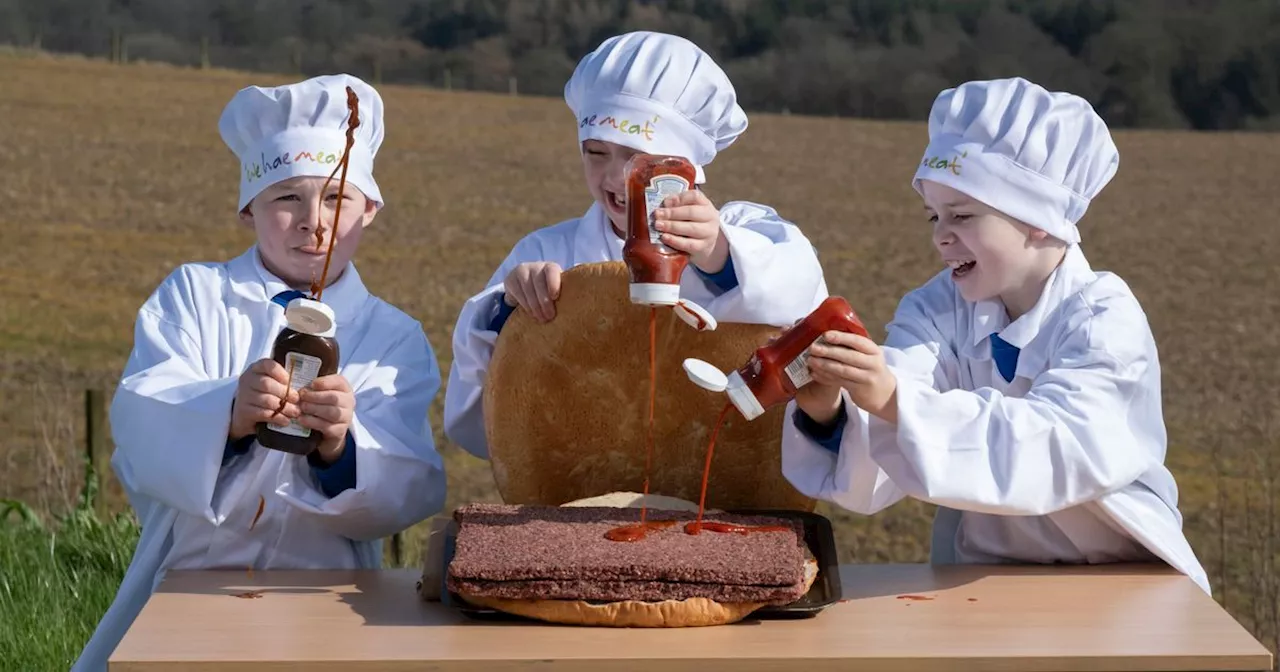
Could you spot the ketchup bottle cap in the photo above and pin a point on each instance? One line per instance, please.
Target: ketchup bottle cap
(694, 315)
(309, 316)
(706, 375)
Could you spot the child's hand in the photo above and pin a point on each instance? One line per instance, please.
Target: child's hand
(327, 406)
(819, 401)
(258, 395)
(857, 364)
(534, 286)
(690, 222)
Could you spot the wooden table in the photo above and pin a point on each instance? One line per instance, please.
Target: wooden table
(978, 618)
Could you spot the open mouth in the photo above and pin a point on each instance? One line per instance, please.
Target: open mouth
(615, 200)
(960, 268)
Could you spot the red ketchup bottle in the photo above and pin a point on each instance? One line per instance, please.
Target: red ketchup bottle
(775, 371)
(655, 268)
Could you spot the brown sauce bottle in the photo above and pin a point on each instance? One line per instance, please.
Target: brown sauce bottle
(307, 349)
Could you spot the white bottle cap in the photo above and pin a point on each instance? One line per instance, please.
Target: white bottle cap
(309, 316)
(694, 315)
(742, 397)
(654, 294)
(705, 375)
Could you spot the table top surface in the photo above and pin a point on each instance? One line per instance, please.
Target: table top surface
(893, 617)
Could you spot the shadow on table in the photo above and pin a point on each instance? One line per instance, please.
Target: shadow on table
(859, 582)
(404, 606)
(233, 582)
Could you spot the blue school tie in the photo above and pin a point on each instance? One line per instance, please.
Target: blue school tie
(283, 298)
(1006, 356)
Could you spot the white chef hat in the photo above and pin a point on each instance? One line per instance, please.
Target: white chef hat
(300, 129)
(1036, 155)
(658, 94)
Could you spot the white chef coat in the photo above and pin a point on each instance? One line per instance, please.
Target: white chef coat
(194, 337)
(1065, 463)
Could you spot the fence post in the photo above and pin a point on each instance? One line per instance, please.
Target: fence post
(377, 69)
(511, 86)
(204, 53)
(115, 45)
(96, 437)
(397, 549)
(448, 79)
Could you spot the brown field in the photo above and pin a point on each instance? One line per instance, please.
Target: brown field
(112, 175)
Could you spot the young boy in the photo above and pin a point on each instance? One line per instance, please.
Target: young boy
(200, 376)
(1018, 390)
(649, 93)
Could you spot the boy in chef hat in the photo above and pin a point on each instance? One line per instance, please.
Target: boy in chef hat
(200, 376)
(650, 93)
(1018, 389)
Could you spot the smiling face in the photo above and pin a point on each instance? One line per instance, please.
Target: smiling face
(991, 255)
(287, 216)
(604, 166)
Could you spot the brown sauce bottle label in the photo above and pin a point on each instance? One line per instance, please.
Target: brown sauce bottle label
(304, 369)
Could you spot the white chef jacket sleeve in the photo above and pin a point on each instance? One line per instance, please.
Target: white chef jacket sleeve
(779, 277)
(1089, 425)
(400, 478)
(169, 418)
(473, 343)
(851, 477)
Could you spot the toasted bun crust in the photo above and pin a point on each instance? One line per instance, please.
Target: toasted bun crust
(633, 500)
(693, 612)
(566, 404)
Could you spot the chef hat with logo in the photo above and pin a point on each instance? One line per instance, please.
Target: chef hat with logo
(658, 94)
(1038, 156)
(300, 129)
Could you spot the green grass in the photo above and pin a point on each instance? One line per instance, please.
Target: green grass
(57, 580)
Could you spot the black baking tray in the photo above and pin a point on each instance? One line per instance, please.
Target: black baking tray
(818, 536)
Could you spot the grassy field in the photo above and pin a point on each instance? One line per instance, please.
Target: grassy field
(112, 175)
(57, 579)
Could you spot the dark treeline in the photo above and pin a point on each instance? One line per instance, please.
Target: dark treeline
(1144, 63)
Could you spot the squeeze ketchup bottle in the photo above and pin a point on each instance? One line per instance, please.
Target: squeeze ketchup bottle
(655, 268)
(775, 371)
